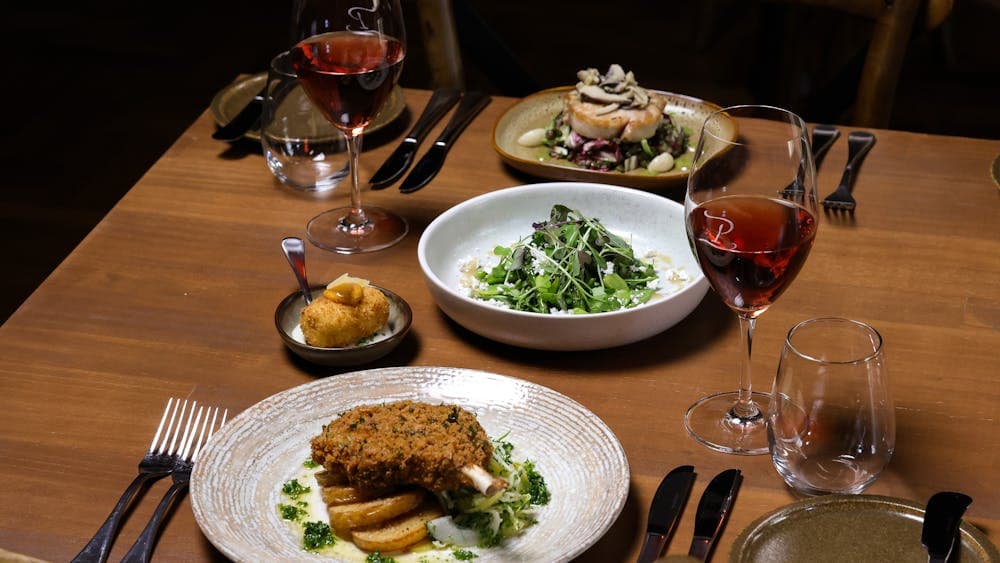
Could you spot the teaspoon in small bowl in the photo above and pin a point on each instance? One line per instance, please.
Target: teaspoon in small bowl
(295, 252)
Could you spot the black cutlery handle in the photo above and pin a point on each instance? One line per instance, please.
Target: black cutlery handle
(470, 106)
(823, 138)
(142, 549)
(442, 101)
(858, 145)
(97, 549)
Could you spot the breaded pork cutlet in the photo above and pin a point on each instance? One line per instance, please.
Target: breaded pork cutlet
(437, 447)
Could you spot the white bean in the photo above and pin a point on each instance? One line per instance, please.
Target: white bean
(662, 163)
(532, 138)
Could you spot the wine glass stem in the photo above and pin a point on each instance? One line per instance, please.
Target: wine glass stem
(356, 219)
(745, 408)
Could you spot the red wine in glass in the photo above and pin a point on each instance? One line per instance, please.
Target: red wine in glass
(751, 247)
(348, 75)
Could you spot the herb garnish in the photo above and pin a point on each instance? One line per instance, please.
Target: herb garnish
(378, 558)
(291, 512)
(464, 555)
(570, 263)
(317, 535)
(293, 489)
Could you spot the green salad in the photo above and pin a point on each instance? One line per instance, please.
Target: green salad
(569, 264)
(485, 521)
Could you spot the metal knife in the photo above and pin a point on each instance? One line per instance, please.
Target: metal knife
(397, 163)
(713, 511)
(244, 120)
(668, 503)
(941, 520)
(428, 165)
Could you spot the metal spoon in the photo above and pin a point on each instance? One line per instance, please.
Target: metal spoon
(295, 252)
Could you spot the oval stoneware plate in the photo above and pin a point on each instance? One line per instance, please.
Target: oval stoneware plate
(537, 110)
(233, 98)
(235, 487)
(840, 528)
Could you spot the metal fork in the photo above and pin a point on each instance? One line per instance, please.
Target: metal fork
(823, 137)
(858, 145)
(157, 463)
(143, 546)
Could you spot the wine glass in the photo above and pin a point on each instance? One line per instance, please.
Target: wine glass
(830, 422)
(348, 63)
(751, 219)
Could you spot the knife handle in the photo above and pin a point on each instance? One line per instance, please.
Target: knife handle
(470, 106)
(652, 547)
(442, 101)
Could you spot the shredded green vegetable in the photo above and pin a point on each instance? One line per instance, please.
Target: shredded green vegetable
(571, 263)
(507, 512)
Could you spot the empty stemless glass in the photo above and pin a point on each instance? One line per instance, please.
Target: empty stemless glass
(301, 148)
(830, 422)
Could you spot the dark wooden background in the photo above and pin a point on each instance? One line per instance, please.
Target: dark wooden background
(96, 93)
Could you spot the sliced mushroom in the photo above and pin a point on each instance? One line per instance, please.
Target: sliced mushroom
(597, 94)
(607, 109)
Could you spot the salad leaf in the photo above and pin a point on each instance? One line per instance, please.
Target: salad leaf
(569, 263)
(501, 515)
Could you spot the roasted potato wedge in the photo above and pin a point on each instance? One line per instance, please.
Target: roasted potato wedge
(400, 532)
(328, 478)
(347, 517)
(344, 494)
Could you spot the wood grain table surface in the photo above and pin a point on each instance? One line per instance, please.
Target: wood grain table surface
(173, 295)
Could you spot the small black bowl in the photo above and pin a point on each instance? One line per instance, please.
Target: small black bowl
(287, 318)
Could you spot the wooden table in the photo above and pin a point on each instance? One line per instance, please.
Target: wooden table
(173, 294)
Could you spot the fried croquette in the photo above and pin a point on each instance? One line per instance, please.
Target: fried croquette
(329, 324)
(439, 447)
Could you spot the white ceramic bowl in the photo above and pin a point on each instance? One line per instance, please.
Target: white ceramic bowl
(474, 227)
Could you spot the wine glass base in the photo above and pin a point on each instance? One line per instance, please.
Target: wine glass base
(712, 422)
(330, 230)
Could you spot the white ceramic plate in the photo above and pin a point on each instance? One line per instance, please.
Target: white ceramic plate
(472, 228)
(236, 482)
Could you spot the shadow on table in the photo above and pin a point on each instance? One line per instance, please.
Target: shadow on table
(403, 355)
(708, 322)
(620, 537)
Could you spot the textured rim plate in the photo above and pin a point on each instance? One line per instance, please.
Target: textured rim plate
(233, 98)
(537, 110)
(236, 482)
(829, 528)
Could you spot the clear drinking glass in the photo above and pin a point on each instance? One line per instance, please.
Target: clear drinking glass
(300, 146)
(348, 65)
(830, 422)
(751, 219)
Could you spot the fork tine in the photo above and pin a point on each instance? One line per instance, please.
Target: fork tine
(211, 430)
(172, 449)
(172, 427)
(156, 437)
(190, 429)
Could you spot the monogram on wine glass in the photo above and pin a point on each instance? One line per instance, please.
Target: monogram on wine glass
(359, 13)
(718, 226)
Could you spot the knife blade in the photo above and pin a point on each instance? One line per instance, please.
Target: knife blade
(941, 520)
(665, 511)
(441, 101)
(244, 120)
(713, 511)
(429, 165)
